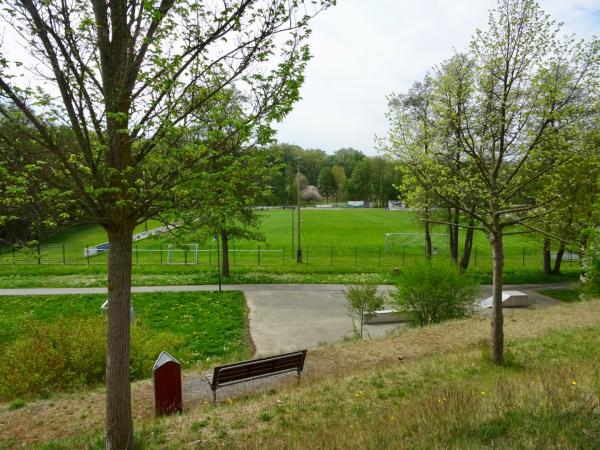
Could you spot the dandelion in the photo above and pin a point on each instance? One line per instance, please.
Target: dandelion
(482, 393)
(573, 382)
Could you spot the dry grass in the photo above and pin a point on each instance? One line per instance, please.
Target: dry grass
(328, 401)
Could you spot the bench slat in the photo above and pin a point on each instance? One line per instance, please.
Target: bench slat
(258, 368)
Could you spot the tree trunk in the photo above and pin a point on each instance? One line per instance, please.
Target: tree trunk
(427, 227)
(119, 424)
(428, 249)
(225, 250)
(497, 332)
(451, 243)
(466, 256)
(559, 257)
(547, 257)
(456, 222)
(453, 222)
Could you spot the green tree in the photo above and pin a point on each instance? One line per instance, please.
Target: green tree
(126, 76)
(360, 185)
(362, 301)
(530, 92)
(326, 182)
(347, 158)
(411, 138)
(341, 182)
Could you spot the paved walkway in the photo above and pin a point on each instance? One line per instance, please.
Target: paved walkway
(245, 288)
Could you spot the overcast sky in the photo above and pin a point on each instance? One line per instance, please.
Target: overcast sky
(364, 50)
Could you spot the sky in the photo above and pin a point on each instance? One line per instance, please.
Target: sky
(364, 51)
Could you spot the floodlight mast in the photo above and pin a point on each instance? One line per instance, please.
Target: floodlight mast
(299, 250)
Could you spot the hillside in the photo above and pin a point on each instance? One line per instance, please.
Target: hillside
(419, 388)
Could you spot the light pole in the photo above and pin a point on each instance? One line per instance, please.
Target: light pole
(299, 250)
(293, 236)
(218, 260)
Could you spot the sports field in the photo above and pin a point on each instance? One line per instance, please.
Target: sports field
(344, 239)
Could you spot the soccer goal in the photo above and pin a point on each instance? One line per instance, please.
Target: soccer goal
(439, 242)
(186, 254)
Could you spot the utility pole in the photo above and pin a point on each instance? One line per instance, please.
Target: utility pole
(218, 260)
(299, 250)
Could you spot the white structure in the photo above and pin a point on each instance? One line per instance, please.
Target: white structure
(510, 299)
(395, 205)
(385, 316)
(104, 309)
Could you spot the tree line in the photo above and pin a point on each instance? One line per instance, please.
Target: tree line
(347, 174)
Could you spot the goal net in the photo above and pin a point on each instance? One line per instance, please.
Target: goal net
(398, 241)
(185, 254)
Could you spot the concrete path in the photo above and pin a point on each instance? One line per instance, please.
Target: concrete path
(286, 320)
(285, 317)
(183, 288)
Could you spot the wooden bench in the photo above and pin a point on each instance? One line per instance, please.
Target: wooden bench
(255, 368)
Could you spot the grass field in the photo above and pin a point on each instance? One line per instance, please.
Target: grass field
(212, 325)
(332, 240)
(442, 394)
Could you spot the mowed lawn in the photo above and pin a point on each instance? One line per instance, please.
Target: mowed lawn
(210, 325)
(344, 239)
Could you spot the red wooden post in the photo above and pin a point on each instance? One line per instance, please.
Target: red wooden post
(166, 378)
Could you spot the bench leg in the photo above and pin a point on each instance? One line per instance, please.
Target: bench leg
(214, 397)
(299, 373)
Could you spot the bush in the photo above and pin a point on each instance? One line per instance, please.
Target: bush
(433, 292)
(591, 269)
(362, 301)
(70, 354)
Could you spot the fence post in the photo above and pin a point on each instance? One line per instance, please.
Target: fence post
(258, 255)
(523, 256)
(39, 256)
(88, 254)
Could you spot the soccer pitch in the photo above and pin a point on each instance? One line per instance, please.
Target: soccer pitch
(349, 239)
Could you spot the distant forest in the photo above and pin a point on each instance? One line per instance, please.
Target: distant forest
(347, 174)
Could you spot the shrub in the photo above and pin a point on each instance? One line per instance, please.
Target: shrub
(433, 292)
(70, 354)
(362, 301)
(591, 269)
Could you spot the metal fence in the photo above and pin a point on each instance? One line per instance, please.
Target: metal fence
(318, 256)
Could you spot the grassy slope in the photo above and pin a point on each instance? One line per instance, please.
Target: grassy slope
(443, 394)
(212, 325)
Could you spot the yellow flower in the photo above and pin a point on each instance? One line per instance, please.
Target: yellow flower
(573, 382)
(482, 393)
